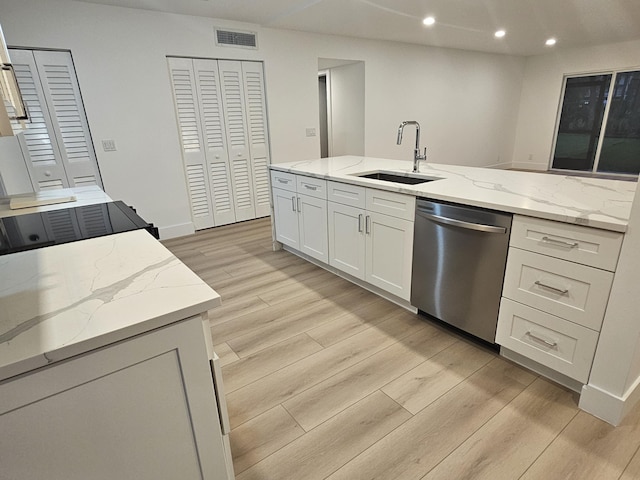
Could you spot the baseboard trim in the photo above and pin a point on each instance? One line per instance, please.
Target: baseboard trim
(174, 231)
(607, 406)
(499, 166)
(536, 167)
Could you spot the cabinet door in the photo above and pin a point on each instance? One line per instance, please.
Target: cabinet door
(286, 217)
(389, 253)
(346, 239)
(148, 402)
(313, 227)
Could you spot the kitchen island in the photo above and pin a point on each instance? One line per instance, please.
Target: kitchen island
(566, 248)
(106, 364)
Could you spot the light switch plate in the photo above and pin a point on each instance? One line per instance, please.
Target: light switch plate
(311, 132)
(109, 145)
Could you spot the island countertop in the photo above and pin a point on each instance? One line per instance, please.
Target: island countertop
(593, 202)
(64, 300)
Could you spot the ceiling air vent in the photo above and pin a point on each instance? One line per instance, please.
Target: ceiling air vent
(228, 38)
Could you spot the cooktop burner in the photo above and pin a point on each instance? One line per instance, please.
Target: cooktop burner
(37, 230)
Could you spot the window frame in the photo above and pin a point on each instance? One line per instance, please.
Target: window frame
(605, 118)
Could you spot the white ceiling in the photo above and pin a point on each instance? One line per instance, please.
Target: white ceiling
(465, 24)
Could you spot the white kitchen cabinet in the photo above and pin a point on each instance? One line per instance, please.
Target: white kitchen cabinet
(300, 211)
(147, 407)
(374, 244)
(557, 283)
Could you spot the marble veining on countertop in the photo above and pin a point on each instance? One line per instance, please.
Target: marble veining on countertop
(64, 300)
(587, 201)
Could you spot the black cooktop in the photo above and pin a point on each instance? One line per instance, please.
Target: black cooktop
(37, 230)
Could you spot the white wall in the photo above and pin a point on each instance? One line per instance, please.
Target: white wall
(466, 102)
(542, 88)
(347, 109)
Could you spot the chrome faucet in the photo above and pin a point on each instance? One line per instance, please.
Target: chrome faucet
(416, 152)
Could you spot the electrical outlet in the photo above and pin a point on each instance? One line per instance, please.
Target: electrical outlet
(311, 132)
(109, 145)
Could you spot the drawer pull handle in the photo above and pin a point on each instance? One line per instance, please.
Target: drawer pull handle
(311, 187)
(293, 203)
(360, 223)
(367, 225)
(282, 180)
(299, 208)
(557, 290)
(548, 343)
(562, 243)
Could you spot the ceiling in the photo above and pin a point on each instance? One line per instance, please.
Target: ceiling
(465, 24)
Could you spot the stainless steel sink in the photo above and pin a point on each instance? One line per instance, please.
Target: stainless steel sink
(396, 178)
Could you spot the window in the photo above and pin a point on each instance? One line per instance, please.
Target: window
(599, 126)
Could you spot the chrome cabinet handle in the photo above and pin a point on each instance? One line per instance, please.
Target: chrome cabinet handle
(282, 180)
(311, 187)
(479, 227)
(299, 209)
(367, 225)
(561, 243)
(557, 290)
(293, 203)
(538, 338)
(360, 223)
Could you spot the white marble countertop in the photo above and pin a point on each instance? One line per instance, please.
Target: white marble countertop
(593, 202)
(84, 196)
(64, 300)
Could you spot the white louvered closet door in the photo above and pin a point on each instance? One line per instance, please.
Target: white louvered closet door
(47, 168)
(189, 128)
(58, 138)
(233, 100)
(254, 94)
(215, 143)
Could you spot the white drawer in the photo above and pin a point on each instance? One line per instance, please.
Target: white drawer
(389, 203)
(346, 194)
(570, 290)
(586, 245)
(561, 345)
(283, 180)
(314, 187)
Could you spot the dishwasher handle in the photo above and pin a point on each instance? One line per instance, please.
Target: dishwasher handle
(479, 227)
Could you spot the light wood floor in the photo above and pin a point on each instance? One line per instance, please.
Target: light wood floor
(327, 380)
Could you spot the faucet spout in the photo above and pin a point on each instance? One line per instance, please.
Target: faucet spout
(416, 153)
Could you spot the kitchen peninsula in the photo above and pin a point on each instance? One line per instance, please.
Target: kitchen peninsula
(567, 240)
(105, 343)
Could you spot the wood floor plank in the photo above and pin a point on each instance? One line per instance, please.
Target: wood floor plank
(261, 395)
(422, 442)
(225, 353)
(324, 449)
(254, 367)
(632, 471)
(426, 382)
(329, 397)
(231, 309)
(512, 440)
(262, 436)
(321, 286)
(589, 448)
(294, 323)
(358, 319)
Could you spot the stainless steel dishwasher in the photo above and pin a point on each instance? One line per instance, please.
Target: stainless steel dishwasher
(459, 258)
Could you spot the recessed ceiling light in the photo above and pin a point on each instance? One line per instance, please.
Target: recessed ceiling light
(429, 21)
(500, 33)
(550, 42)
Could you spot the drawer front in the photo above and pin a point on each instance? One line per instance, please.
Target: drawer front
(561, 345)
(389, 203)
(283, 180)
(566, 289)
(314, 187)
(589, 246)
(346, 194)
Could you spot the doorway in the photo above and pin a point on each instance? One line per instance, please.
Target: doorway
(341, 89)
